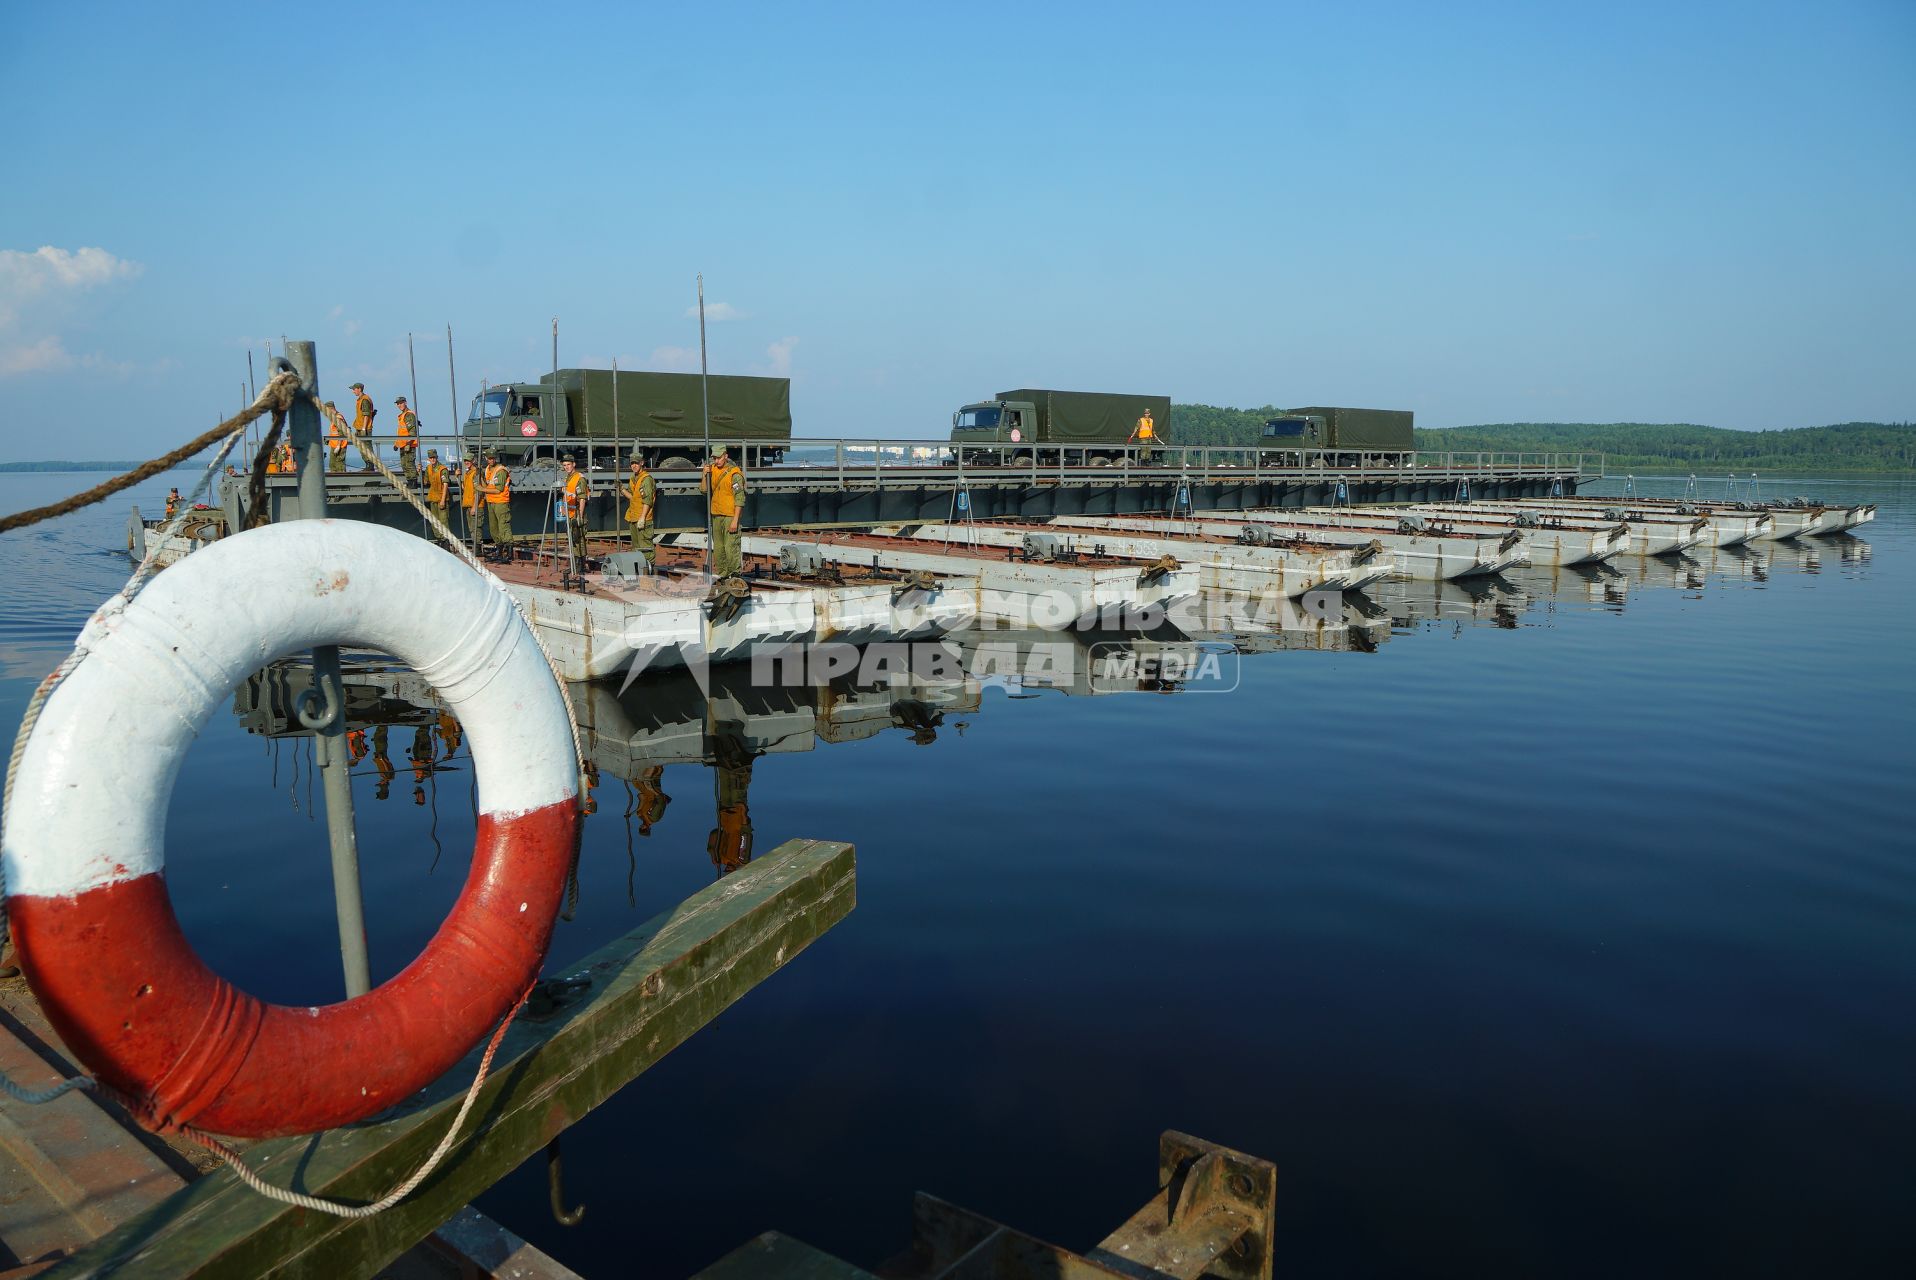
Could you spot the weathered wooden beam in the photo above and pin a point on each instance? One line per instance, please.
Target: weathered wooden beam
(648, 992)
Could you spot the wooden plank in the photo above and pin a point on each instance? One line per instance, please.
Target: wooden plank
(478, 1246)
(648, 993)
(69, 1171)
(779, 1257)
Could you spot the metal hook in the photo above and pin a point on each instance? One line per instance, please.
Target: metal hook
(316, 707)
(555, 1188)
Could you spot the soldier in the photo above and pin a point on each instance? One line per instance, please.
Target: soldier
(575, 490)
(335, 439)
(382, 763)
(469, 498)
(651, 801)
(725, 484)
(363, 414)
(496, 485)
(287, 464)
(437, 479)
(1143, 434)
(172, 503)
(730, 842)
(408, 432)
(641, 509)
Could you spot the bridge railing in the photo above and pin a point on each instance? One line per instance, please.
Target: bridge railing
(861, 461)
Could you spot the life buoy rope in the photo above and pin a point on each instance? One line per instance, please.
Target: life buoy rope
(83, 856)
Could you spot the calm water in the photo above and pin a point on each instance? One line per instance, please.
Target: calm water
(1572, 930)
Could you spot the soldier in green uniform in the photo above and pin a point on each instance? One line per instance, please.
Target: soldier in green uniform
(641, 509)
(725, 485)
(495, 489)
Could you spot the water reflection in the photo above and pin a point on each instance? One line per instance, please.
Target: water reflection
(728, 720)
(1529, 596)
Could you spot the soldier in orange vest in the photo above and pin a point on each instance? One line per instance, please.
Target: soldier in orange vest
(496, 486)
(335, 439)
(724, 485)
(363, 414)
(469, 499)
(408, 445)
(573, 496)
(437, 479)
(730, 842)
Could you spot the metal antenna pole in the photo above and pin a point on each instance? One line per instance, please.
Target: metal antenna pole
(323, 708)
(413, 367)
(485, 389)
(705, 413)
(455, 451)
(618, 441)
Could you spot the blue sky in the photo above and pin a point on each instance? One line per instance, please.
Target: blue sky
(1479, 212)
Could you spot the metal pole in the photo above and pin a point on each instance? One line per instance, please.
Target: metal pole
(324, 710)
(618, 440)
(573, 565)
(452, 422)
(705, 414)
(413, 366)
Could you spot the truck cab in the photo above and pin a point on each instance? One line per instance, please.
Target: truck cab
(516, 416)
(991, 431)
(1285, 438)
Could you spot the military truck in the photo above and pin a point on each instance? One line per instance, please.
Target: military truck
(1358, 437)
(527, 420)
(1002, 430)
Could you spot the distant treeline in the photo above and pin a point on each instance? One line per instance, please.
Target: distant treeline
(1846, 446)
(72, 466)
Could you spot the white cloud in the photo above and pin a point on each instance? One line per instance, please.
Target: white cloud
(48, 277)
(715, 312)
(23, 275)
(674, 359)
(779, 356)
(350, 327)
(47, 355)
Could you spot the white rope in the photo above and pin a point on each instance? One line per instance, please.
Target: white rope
(252, 1179)
(34, 1098)
(406, 491)
(273, 396)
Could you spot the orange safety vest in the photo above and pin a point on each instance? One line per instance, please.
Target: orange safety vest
(644, 493)
(436, 483)
(726, 484)
(499, 482)
(730, 843)
(469, 487)
(363, 413)
(337, 437)
(1144, 428)
(575, 495)
(172, 506)
(408, 431)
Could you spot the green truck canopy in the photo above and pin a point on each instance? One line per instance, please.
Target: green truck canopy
(1105, 417)
(668, 405)
(1377, 429)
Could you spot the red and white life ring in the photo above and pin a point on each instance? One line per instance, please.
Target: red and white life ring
(83, 843)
